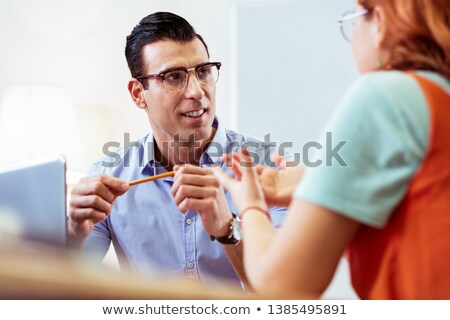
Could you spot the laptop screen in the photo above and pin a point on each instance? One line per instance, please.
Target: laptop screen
(33, 201)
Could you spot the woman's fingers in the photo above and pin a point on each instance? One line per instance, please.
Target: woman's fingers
(225, 180)
(247, 166)
(280, 161)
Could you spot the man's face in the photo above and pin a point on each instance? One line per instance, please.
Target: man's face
(170, 113)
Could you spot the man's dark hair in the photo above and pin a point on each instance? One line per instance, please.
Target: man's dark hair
(155, 27)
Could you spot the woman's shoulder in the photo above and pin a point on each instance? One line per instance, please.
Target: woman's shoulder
(388, 104)
(385, 83)
(397, 83)
(389, 92)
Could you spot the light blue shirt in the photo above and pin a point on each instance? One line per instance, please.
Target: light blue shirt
(149, 233)
(384, 120)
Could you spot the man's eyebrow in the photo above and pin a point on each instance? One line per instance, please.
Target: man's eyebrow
(172, 69)
(181, 68)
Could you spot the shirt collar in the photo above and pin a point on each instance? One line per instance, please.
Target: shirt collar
(217, 146)
(212, 154)
(148, 156)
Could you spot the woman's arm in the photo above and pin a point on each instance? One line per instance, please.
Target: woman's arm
(302, 256)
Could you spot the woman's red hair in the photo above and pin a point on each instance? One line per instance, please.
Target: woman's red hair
(417, 34)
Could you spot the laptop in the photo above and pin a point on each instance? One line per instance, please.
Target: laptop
(33, 201)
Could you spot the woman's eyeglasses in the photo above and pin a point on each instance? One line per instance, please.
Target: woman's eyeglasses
(347, 21)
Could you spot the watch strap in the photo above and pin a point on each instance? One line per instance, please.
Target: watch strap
(229, 238)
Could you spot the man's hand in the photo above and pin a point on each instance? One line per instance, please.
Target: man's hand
(198, 189)
(278, 185)
(91, 202)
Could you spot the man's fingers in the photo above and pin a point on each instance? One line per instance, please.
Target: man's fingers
(186, 191)
(80, 215)
(190, 169)
(195, 204)
(91, 201)
(117, 185)
(194, 180)
(94, 187)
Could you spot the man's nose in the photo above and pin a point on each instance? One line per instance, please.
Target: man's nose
(194, 88)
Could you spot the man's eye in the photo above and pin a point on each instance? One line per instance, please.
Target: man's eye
(175, 76)
(204, 72)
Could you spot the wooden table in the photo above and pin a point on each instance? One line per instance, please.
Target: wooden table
(42, 272)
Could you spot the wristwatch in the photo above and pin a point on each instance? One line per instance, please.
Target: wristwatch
(234, 235)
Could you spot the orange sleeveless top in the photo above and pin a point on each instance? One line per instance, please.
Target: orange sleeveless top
(410, 257)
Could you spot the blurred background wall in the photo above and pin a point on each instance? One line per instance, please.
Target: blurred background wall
(75, 50)
(63, 74)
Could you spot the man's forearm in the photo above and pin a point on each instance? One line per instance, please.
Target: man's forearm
(235, 256)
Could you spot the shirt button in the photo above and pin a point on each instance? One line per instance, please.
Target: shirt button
(188, 221)
(190, 265)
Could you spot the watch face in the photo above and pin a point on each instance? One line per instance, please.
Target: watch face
(234, 236)
(237, 230)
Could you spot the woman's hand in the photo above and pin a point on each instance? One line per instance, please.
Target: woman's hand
(278, 185)
(244, 188)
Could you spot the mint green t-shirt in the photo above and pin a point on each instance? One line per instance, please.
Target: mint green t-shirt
(385, 122)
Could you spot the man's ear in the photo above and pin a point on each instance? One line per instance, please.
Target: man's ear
(137, 93)
(379, 26)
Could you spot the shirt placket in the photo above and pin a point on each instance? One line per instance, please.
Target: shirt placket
(191, 264)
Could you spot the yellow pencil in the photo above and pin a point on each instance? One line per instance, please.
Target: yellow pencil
(158, 176)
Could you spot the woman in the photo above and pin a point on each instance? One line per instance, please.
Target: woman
(388, 210)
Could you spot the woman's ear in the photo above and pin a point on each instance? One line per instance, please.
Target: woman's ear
(137, 93)
(379, 26)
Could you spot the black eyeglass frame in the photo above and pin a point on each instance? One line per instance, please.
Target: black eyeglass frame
(162, 74)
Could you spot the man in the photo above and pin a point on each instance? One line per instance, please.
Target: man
(185, 224)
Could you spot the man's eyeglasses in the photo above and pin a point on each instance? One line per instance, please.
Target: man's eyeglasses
(176, 79)
(347, 21)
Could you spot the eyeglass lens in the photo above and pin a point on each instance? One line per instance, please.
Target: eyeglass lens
(347, 27)
(176, 80)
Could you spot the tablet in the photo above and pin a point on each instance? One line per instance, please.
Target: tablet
(33, 201)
